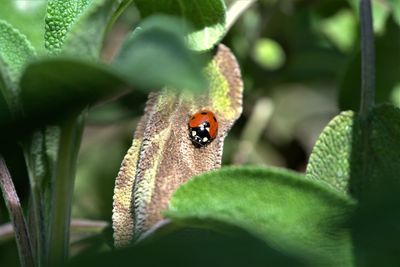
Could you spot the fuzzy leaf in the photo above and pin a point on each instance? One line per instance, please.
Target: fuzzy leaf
(369, 158)
(77, 26)
(47, 92)
(27, 17)
(330, 159)
(61, 15)
(194, 247)
(207, 16)
(15, 53)
(15, 50)
(162, 156)
(291, 213)
(155, 55)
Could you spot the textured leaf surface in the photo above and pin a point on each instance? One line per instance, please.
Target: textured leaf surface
(60, 17)
(162, 156)
(28, 18)
(155, 55)
(15, 50)
(87, 34)
(77, 26)
(15, 53)
(330, 159)
(281, 207)
(207, 16)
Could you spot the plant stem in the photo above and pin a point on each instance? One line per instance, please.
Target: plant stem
(36, 209)
(367, 60)
(63, 185)
(10, 196)
(77, 226)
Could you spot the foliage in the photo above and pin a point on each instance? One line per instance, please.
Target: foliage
(78, 69)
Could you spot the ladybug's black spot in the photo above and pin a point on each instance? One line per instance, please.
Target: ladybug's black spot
(214, 119)
(199, 136)
(192, 118)
(204, 113)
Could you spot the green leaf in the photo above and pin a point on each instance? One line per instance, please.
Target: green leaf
(207, 16)
(15, 53)
(87, 34)
(376, 151)
(5, 113)
(376, 185)
(387, 70)
(60, 17)
(53, 87)
(283, 208)
(193, 247)
(27, 17)
(77, 26)
(330, 159)
(155, 55)
(15, 50)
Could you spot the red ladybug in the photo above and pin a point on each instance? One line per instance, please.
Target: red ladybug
(203, 128)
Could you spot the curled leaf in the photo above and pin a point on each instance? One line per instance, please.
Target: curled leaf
(162, 156)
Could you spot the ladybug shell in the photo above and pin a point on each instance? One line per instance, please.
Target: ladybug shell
(203, 128)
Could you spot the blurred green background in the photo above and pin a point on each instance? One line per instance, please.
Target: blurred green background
(300, 62)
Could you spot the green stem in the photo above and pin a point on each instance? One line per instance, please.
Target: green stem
(367, 60)
(10, 196)
(63, 185)
(121, 8)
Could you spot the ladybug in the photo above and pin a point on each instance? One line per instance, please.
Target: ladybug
(203, 128)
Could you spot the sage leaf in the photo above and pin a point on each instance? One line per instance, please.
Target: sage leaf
(47, 91)
(376, 153)
(375, 184)
(77, 27)
(289, 212)
(155, 55)
(162, 156)
(330, 159)
(88, 32)
(27, 17)
(60, 17)
(181, 248)
(207, 16)
(15, 52)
